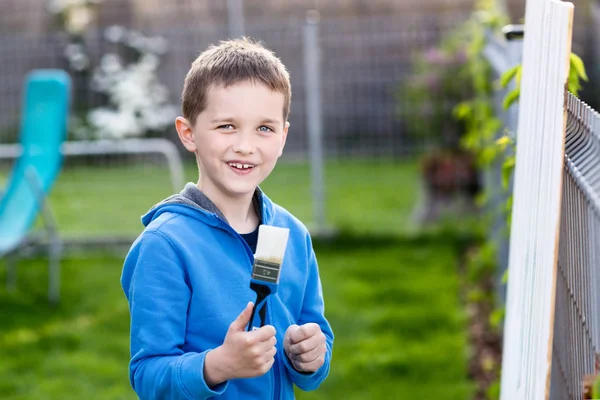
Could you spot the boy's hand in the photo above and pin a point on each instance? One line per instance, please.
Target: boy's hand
(243, 354)
(305, 347)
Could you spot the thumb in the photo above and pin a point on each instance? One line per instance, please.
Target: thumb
(240, 323)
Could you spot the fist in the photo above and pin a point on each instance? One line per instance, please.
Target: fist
(305, 346)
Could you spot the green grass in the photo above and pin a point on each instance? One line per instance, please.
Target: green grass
(392, 295)
(399, 325)
(360, 195)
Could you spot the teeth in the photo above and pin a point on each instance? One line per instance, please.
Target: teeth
(241, 166)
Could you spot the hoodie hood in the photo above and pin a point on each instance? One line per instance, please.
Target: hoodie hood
(192, 202)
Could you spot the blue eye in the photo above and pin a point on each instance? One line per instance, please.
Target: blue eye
(264, 128)
(225, 127)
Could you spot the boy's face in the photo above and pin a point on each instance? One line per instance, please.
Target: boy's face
(237, 138)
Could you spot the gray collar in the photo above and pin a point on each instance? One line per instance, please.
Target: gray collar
(192, 196)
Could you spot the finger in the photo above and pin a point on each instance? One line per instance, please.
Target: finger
(264, 368)
(286, 337)
(288, 334)
(261, 353)
(271, 352)
(266, 346)
(307, 345)
(308, 356)
(240, 323)
(264, 333)
(313, 365)
(303, 332)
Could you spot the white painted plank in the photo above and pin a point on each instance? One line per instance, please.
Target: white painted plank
(528, 330)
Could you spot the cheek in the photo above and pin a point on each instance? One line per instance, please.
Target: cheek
(273, 149)
(212, 148)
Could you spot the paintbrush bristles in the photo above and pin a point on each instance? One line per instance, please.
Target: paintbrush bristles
(272, 242)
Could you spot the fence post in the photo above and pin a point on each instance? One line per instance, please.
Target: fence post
(502, 54)
(314, 118)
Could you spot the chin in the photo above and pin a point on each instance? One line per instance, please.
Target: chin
(241, 190)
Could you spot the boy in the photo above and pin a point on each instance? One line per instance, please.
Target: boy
(187, 277)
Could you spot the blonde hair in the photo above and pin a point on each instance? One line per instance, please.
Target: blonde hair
(231, 62)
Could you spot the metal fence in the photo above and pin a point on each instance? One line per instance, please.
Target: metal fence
(365, 62)
(576, 343)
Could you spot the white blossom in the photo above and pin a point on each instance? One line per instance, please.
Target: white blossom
(72, 49)
(76, 56)
(111, 63)
(79, 62)
(115, 33)
(114, 124)
(78, 129)
(135, 40)
(140, 102)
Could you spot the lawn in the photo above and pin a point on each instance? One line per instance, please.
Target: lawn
(392, 294)
(361, 196)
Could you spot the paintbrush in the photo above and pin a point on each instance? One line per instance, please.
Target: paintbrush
(270, 249)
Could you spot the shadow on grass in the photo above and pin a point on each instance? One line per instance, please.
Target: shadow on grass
(347, 239)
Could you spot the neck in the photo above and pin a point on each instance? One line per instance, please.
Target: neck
(239, 211)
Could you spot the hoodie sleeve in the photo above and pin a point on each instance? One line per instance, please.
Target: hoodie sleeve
(313, 310)
(156, 287)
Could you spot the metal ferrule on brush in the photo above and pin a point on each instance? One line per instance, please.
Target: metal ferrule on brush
(266, 272)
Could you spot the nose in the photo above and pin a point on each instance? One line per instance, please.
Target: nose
(244, 143)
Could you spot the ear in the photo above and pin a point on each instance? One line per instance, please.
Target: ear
(185, 133)
(284, 137)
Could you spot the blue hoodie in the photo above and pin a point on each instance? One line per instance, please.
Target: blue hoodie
(187, 277)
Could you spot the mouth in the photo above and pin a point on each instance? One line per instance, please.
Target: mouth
(241, 168)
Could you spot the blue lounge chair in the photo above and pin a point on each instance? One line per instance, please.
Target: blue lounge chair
(43, 129)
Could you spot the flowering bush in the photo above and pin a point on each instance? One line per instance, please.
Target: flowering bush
(138, 101)
(437, 84)
(452, 85)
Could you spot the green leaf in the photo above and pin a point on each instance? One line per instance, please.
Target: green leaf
(507, 168)
(487, 155)
(518, 76)
(496, 317)
(504, 141)
(511, 97)
(493, 391)
(482, 198)
(463, 110)
(596, 388)
(505, 277)
(574, 86)
(508, 76)
(509, 204)
(573, 82)
(577, 64)
(476, 295)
